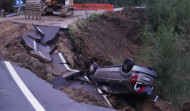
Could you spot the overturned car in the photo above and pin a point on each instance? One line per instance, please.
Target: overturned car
(121, 79)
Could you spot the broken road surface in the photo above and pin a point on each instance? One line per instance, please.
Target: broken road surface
(21, 90)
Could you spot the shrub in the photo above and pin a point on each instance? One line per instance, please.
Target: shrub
(162, 11)
(166, 46)
(163, 50)
(7, 5)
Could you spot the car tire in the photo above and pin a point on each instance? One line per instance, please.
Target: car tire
(93, 68)
(128, 65)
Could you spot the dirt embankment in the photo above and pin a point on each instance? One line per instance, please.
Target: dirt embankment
(12, 49)
(109, 38)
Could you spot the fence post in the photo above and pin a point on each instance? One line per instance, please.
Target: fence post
(2, 11)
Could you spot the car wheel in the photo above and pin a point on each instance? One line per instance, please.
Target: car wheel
(127, 65)
(93, 68)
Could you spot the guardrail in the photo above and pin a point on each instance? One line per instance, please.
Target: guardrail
(93, 7)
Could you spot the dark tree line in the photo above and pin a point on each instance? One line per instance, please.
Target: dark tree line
(118, 3)
(7, 5)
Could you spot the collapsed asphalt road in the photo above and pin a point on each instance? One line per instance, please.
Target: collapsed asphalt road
(15, 49)
(21, 90)
(34, 41)
(45, 61)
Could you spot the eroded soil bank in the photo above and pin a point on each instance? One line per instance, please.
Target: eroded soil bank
(109, 39)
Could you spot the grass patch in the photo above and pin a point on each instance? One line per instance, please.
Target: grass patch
(84, 22)
(76, 39)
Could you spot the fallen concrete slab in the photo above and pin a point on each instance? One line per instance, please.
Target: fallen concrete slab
(49, 32)
(71, 75)
(59, 68)
(59, 58)
(60, 82)
(39, 51)
(41, 56)
(60, 63)
(39, 30)
(45, 49)
(69, 69)
(33, 34)
(64, 71)
(30, 42)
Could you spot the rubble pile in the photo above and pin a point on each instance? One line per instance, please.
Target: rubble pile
(49, 56)
(38, 40)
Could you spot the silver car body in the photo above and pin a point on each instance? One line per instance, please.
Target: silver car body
(120, 81)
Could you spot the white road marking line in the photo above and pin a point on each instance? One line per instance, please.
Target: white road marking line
(41, 54)
(34, 102)
(64, 62)
(35, 48)
(62, 58)
(99, 90)
(87, 79)
(68, 68)
(104, 96)
(39, 30)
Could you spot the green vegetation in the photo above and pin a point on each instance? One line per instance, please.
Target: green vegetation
(166, 46)
(84, 22)
(75, 39)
